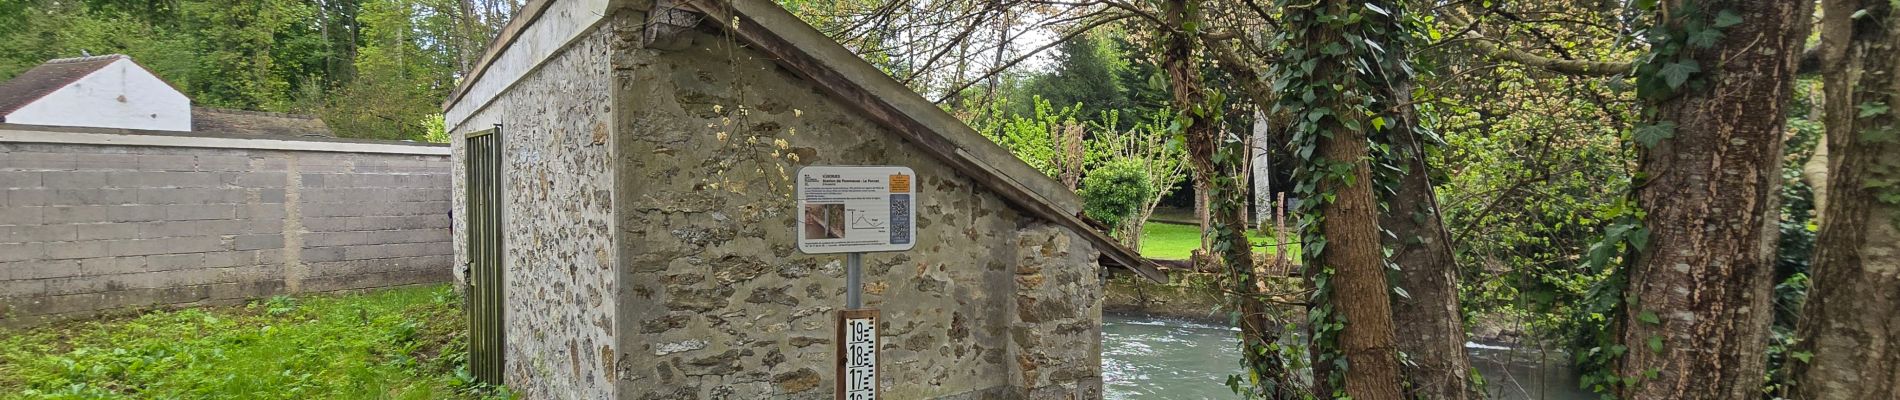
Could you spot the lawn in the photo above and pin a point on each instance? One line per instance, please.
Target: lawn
(1170, 241)
(392, 344)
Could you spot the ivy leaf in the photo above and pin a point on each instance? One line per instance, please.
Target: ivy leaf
(1649, 317)
(1333, 49)
(1704, 38)
(1883, 134)
(1802, 355)
(1655, 344)
(1873, 109)
(1649, 135)
(1375, 8)
(1727, 18)
(1639, 237)
(1678, 73)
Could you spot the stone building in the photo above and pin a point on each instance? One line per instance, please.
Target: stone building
(647, 217)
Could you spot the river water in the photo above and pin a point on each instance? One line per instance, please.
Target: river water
(1147, 357)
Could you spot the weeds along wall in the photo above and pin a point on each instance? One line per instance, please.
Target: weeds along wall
(94, 220)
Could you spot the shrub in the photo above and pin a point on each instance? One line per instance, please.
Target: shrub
(1115, 191)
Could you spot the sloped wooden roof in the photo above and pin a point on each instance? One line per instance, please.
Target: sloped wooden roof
(46, 78)
(810, 54)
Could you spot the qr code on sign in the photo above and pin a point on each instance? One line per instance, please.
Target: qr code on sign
(900, 219)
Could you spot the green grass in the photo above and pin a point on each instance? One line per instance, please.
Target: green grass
(1171, 241)
(392, 344)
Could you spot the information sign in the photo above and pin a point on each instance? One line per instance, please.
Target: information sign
(855, 209)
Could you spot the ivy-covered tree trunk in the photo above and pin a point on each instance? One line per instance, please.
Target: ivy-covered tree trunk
(1850, 329)
(1328, 96)
(1220, 165)
(1429, 314)
(1434, 326)
(1349, 222)
(1720, 81)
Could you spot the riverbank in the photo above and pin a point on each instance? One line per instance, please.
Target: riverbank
(1186, 297)
(1192, 297)
(1148, 357)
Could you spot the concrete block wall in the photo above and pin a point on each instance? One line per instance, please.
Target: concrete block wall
(92, 227)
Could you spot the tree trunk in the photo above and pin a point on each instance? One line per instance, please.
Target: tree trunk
(1851, 321)
(1698, 325)
(469, 48)
(1349, 219)
(1202, 185)
(1002, 47)
(1260, 159)
(1814, 172)
(1219, 171)
(1430, 317)
(1353, 251)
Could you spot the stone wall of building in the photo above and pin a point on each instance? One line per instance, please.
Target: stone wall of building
(558, 242)
(1058, 328)
(91, 227)
(719, 304)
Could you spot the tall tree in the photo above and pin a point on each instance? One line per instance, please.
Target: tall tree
(1850, 329)
(1084, 74)
(1218, 163)
(1719, 78)
(1326, 91)
(1429, 313)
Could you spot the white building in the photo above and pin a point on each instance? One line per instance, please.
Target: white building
(107, 91)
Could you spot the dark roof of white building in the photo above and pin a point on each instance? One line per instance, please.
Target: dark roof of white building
(257, 123)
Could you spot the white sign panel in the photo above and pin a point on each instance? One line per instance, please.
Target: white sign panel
(856, 209)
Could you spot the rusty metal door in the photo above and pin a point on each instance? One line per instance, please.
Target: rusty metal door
(484, 305)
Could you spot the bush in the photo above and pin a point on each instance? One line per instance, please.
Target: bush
(1115, 191)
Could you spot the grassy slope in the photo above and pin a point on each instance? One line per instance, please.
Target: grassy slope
(393, 344)
(1177, 241)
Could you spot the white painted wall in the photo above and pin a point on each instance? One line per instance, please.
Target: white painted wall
(564, 22)
(121, 95)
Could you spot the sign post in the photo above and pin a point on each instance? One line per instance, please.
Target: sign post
(854, 210)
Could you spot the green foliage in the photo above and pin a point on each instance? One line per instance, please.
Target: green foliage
(1056, 142)
(1115, 191)
(1152, 145)
(436, 131)
(404, 70)
(370, 68)
(1039, 138)
(1671, 67)
(1087, 75)
(394, 344)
